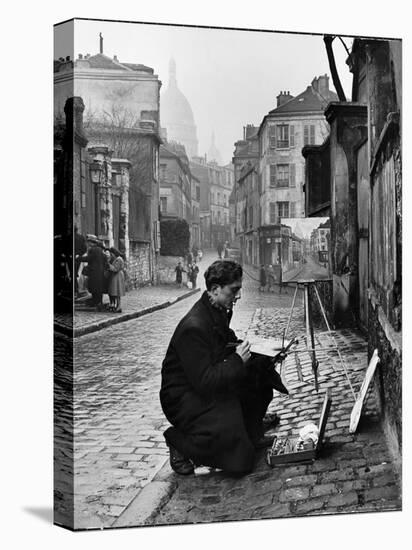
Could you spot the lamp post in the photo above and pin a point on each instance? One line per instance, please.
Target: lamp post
(96, 173)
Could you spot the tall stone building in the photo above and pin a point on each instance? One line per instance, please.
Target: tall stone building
(177, 115)
(245, 156)
(284, 131)
(122, 112)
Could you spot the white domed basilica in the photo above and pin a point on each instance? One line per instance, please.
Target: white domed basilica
(177, 116)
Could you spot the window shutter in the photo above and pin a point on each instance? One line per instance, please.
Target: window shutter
(292, 175)
(292, 210)
(291, 136)
(312, 134)
(273, 175)
(305, 135)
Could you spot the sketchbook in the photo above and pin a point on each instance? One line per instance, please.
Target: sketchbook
(269, 346)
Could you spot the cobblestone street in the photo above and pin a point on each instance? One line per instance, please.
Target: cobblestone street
(118, 421)
(119, 446)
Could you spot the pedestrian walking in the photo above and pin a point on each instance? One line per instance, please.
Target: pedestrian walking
(200, 255)
(95, 270)
(219, 249)
(117, 287)
(263, 278)
(193, 273)
(179, 274)
(195, 253)
(213, 392)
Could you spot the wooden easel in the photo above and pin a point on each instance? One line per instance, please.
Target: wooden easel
(310, 337)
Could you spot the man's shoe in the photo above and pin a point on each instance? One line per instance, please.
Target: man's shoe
(265, 441)
(181, 465)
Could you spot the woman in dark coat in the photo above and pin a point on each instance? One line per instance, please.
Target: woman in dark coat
(212, 393)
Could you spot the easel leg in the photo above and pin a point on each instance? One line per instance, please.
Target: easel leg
(334, 342)
(310, 339)
(291, 311)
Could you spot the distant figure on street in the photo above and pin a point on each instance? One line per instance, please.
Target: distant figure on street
(262, 277)
(271, 278)
(117, 287)
(193, 273)
(200, 255)
(189, 258)
(219, 249)
(213, 392)
(195, 253)
(95, 271)
(226, 250)
(179, 272)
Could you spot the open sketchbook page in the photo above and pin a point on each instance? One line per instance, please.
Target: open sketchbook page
(267, 346)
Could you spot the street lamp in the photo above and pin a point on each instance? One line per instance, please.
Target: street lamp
(96, 171)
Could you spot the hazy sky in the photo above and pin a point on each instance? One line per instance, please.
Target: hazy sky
(230, 77)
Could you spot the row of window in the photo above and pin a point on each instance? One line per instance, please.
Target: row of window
(220, 200)
(282, 175)
(281, 209)
(282, 136)
(219, 218)
(278, 210)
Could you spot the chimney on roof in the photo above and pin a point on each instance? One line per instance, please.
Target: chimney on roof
(101, 43)
(115, 58)
(248, 130)
(283, 97)
(321, 85)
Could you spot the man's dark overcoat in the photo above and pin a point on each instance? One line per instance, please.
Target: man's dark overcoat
(213, 400)
(96, 263)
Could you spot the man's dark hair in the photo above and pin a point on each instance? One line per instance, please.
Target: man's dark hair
(222, 272)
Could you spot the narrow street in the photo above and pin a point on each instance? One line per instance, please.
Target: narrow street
(119, 449)
(118, 421)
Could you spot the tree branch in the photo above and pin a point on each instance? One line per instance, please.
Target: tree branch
(328, 39)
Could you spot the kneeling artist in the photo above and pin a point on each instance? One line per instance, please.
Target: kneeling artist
(214, 392)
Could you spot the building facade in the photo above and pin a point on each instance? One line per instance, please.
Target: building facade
(246, 154)
(361, 164)
(122, 113)
(295, 122)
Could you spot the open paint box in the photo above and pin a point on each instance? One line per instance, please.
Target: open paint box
(286, 451)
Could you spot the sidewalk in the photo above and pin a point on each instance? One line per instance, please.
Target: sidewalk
(136, 303)
(353, 473)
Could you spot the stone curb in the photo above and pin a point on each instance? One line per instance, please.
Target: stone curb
(94, 327)
(146, 505)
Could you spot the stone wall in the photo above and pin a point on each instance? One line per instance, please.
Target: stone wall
(138, 271)
(388, 377)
